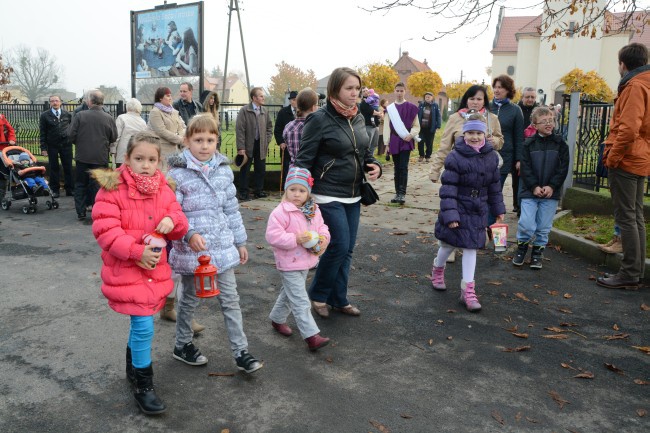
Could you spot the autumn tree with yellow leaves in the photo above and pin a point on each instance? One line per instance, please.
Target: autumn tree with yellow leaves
(591, 85)
(425, 81)
(379, 76)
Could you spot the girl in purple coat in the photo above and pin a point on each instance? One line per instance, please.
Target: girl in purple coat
(470, 187)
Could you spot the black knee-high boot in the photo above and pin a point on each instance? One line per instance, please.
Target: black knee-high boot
(144, 393)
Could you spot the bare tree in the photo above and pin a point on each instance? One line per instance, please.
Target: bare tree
(34, 75)
(560, 18)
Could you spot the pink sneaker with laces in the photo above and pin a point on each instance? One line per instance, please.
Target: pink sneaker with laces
(438, 277)
(468, 296)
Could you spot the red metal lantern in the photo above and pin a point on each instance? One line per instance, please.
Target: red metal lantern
(205, 278)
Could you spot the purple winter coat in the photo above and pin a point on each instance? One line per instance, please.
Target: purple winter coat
(470, 183)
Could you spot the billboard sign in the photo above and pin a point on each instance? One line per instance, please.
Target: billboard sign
(167, 41)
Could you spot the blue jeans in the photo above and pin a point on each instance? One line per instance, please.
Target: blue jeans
(536, 220)
(140, 337)
(330, 284)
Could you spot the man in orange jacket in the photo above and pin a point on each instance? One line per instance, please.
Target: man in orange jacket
(627, 156)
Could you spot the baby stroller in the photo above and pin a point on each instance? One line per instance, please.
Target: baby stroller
(14, 176)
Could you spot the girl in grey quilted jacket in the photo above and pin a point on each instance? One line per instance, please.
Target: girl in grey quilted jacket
(206, 193)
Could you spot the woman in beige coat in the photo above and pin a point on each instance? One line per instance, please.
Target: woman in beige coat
(473, 99)
(167, 124)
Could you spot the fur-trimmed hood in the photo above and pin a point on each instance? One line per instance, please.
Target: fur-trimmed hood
(111, 179)
(106, 178)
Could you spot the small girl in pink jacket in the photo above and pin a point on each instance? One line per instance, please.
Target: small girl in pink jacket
(134, 201)
(288, 228)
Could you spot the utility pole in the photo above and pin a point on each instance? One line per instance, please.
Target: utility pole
(234, 6)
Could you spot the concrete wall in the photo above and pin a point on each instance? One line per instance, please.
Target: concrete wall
(500, 63)
(527, 61)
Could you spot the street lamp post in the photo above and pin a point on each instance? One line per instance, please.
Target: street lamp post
(400, 47)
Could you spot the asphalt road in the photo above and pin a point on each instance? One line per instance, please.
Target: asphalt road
(415, 361)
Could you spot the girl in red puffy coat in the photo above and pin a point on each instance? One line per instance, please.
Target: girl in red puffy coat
(134, 202)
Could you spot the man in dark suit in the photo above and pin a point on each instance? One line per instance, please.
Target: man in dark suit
(285, 115)
(55, 145)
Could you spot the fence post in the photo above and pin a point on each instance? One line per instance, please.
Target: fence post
(574, 108)
(46, 105)
(120, 107)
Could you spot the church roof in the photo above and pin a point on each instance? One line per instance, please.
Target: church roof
(506, 40)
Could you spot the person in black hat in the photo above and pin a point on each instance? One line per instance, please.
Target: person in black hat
(285, 115)
(430, 122)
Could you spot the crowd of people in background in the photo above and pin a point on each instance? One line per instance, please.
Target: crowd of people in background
(327, 155)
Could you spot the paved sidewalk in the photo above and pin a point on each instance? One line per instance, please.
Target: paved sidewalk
(550, 352)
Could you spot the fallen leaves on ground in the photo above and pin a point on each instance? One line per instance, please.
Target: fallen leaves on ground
(495, 283)
(641, 382)
(497, 417)
(565, 365)
(568, 324)
(225, 430)
(220, 374)
(644, 349)
(645, 307)
(568, 296)
(374, 257)
(641, 412)
(382, 428)
(259, 247)
(451, 311)
(556, 336)
(397, 233)
(618, 336)
(516, 349)
(555, 329)
(614, 368)
(559, 400)
(405, 415)
(584, 375)
(565, 310)
(520, 334)
(615, 327)
(553, 292)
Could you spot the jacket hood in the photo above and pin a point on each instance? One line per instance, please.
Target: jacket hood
(106, 178)
(178, 160)
(634, 73)
(110, 180)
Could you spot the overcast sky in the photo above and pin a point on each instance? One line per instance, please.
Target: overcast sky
(91, 39)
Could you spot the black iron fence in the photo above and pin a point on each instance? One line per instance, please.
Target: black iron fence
(593, 128)
(25, 120)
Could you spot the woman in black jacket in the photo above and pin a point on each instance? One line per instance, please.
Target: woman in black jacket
(335, 148)
(511, 120)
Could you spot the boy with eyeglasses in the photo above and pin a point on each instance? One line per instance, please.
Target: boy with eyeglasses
(543, 169)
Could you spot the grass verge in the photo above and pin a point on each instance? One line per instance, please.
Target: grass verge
(597, 228)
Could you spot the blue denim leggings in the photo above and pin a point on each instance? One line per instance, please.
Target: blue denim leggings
(140, 338)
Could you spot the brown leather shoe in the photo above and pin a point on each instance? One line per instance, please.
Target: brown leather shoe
(321, 309)
(616, 282)
(349, 310)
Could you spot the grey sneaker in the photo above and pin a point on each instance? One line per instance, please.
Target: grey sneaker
(247, 363)
(190, 355)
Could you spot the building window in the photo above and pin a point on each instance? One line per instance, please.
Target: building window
(510, 70)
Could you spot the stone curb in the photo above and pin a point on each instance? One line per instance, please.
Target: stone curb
(587, 249)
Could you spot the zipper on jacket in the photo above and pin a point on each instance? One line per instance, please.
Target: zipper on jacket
(326, 167)
(356, 168)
